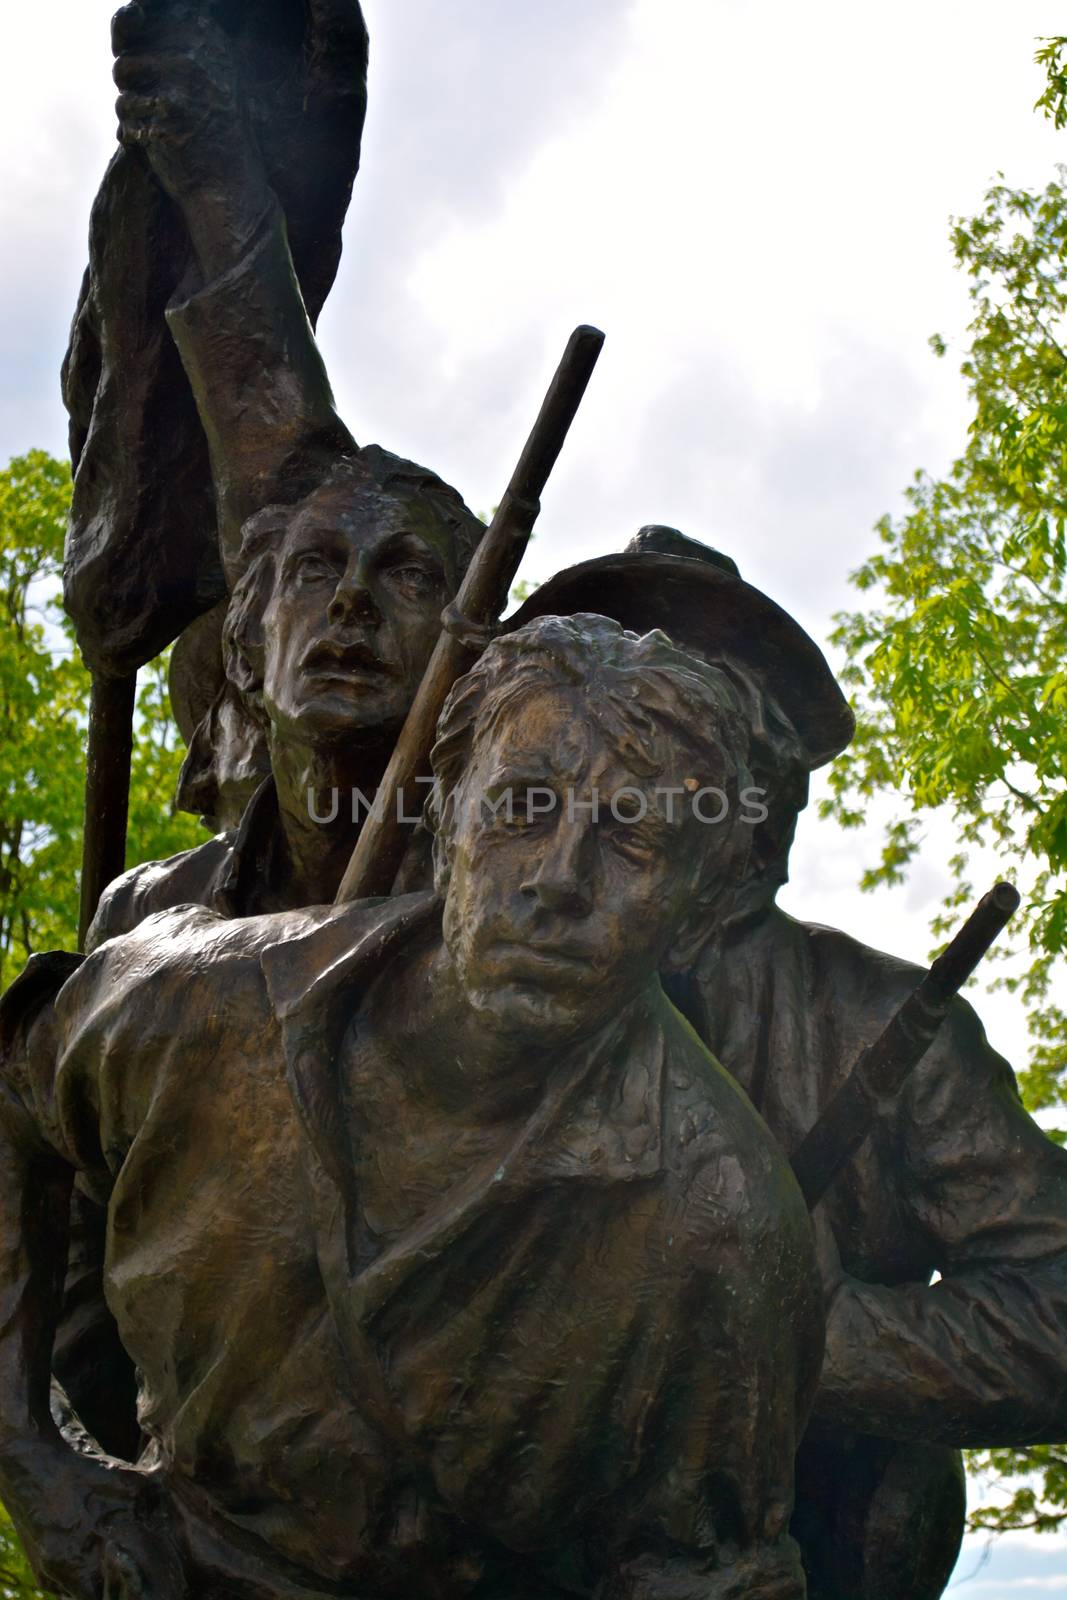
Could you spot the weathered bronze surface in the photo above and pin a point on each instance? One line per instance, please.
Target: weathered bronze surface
(343, 554)
(955, 1178)
(447, 1244)
(143, 552)
(450, 1260)
(470, 622)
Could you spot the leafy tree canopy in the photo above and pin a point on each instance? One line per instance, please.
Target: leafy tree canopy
(960, 664)
(958, 658)
(44, 700)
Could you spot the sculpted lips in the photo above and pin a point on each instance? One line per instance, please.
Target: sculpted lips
(332, 658)
(540, 958)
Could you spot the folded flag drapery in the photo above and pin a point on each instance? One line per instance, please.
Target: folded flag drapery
(142, 555)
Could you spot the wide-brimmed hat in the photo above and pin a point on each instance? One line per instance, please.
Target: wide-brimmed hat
(697, 596)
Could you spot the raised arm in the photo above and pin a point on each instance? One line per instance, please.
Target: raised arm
(242, 329)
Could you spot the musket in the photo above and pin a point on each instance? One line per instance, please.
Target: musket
(882, 1070)
(468, 621)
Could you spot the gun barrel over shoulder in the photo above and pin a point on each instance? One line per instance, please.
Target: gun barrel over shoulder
(476, 609)
(883, 1069)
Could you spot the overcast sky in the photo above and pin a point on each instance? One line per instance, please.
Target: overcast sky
(751, 200)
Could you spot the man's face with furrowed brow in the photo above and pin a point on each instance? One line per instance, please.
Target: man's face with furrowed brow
(353, 617)
(568, 875)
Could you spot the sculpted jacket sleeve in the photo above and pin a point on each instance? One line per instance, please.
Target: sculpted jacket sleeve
(75, 1513)
(260, 385)
(35, 1187)
(979, 1358)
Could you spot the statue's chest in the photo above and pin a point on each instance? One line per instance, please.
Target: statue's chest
(406, 1154)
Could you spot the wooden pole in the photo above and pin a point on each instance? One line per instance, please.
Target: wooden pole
(481, 599)
(107, 791)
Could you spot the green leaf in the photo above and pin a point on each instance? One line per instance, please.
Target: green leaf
(957, 656)
(44, 704)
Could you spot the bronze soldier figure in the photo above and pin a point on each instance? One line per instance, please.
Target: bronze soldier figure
(956, 1181)
(341, 1114)
(451, 1261)
(364, 547)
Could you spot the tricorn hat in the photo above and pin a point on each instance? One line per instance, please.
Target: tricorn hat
(697, 596)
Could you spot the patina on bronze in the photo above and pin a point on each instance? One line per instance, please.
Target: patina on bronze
(881, 1072)
(469, 623)
(383, 1184)
(451, 1262)
(384, 544)
(142, 556)
(953, 1178)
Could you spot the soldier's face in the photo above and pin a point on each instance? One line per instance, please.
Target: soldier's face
(352, 620)
(556, 915)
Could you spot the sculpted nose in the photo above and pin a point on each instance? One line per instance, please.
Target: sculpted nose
(553, 894)
(562, 881)
(352, 602)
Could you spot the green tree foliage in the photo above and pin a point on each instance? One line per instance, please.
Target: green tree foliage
(958, 660)
(1053, 57)
(44, 700)
(44, 696)
(16, 1579)
(960, 668)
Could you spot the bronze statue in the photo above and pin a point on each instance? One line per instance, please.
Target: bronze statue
(143, 556)
(451, 1262)
(364, 548)
(341, 559)
(230, 210)
(956, 1179)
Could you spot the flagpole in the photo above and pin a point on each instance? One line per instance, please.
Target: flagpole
(107, 791)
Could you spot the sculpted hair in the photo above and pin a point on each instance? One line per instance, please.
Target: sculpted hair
(436, 512)
(635, 689)
(242, 632)
(779, 768)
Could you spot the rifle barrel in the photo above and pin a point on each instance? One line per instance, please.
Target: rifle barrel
(481, 599)
(882, 1070)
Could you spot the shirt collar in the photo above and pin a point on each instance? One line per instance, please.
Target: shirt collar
(251, 853)
(599, 1119)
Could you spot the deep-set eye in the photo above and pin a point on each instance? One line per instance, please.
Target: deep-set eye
(507, 810)
(522, 814)
(632, 843)
(525, 809)
(311, 568)
(414, 577)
